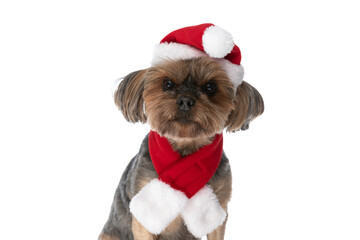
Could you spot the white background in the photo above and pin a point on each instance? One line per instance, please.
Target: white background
(64, 145)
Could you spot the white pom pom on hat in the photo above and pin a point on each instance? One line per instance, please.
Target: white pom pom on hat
(217, 42)
(202, 40)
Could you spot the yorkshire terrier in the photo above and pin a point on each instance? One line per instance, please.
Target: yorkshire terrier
(188, 102)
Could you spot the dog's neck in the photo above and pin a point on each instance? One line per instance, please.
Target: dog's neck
(186, 146)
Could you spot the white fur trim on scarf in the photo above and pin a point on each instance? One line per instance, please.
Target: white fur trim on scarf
(177, 51)
(203, 213)
(157, 205)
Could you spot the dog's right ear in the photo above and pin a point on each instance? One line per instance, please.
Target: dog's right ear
(128, 96)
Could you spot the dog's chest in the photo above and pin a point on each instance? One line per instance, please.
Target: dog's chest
(176, 230)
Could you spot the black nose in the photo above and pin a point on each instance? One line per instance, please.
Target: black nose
(185, 103)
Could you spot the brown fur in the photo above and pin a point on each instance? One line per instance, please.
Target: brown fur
(140, 233)
(104, 236)
(128, 97)
(186, 146)
(141, 97)
(173, 227)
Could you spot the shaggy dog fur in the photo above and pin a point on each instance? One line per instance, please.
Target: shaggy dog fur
(155, 95)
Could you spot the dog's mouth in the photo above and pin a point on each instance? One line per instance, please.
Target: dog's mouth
(187, 123)
(183, 120)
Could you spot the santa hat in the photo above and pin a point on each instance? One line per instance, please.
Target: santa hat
(202, 40)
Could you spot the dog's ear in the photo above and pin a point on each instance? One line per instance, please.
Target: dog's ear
(248, 105)
(128, 96)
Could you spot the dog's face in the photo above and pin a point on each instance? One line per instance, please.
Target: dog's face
(187, 99)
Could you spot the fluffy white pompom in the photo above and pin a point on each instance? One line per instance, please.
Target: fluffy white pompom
(217, 42)
(203, 213)
(157, 205)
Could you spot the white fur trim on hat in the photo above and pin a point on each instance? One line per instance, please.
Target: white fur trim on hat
(217, 42)
(174, 51)
(177, 51)
(203, 213)
(234, 72)
(157, 205)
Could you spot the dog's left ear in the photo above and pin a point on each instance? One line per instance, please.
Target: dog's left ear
(128, 96)
(248, 105)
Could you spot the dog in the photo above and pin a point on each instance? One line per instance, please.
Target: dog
(188, 103)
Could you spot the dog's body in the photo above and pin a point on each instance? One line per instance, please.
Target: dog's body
(188, 102)
(121, 225)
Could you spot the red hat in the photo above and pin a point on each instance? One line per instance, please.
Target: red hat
(202, 40)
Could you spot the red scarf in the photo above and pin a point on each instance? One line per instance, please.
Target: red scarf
(187, 174)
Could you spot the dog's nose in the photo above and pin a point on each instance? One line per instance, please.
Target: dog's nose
(185, 103)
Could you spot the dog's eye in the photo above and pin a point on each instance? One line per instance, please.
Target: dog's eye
(210, 88)
(168, 84)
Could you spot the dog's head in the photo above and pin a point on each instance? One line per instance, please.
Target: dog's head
(188, 99)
